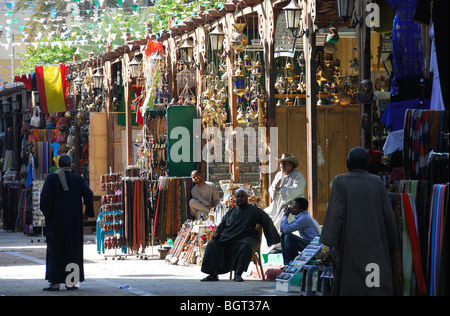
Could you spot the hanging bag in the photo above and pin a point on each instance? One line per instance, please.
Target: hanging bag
(36, 119)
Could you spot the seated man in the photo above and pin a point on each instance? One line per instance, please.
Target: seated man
(307, 227)
(204, 196)
(236, 239)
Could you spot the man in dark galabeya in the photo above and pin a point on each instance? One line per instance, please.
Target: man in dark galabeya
(62, 200)
(236, 239)
(360, 229)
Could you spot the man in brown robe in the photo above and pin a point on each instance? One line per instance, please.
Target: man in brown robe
(359, 227)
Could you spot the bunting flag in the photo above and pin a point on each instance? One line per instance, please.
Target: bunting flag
(53, 88)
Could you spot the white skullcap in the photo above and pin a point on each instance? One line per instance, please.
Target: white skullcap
(241, 189)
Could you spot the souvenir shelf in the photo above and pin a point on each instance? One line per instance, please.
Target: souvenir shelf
(296, 267)
(38, 216)
(110, 221)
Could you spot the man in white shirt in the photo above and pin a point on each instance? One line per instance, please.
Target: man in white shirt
(204, 196)
(288, 184)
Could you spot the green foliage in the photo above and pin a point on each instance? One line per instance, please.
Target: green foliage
(45, 55)
(124, 19)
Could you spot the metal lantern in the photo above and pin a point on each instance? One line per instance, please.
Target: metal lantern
(134, 67)
(289, 72)
(239, 82)
(15, 104)
(345, 9)
(293, 14)
(247, 63)
(216, 37)
(6, 107)
(78, 81)
(187, 51)
(98, 80)
(239, 40)
(159, 60)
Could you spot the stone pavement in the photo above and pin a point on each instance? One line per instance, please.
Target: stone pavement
(22, 271)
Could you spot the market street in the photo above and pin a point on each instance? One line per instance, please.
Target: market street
(22, 266)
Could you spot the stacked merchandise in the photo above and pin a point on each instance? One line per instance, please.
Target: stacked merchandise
(38, 216)
(411, 278)
(110, 230)
(423, 133)
(11, 192)
(438, 243)
(290, 273)
(172, 207)
(25, 214)
(420, 208)
(190, 243)
(136, 215)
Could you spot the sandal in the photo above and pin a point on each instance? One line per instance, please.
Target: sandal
(210, 278)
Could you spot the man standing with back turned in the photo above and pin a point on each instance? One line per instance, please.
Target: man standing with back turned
(360, 229)
(62, 204)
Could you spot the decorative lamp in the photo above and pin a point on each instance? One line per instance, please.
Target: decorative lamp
(239, 82)
(159, 59)
(6, 107)
(15, 104)
(98, 80)
(239, 40)
(345, 9)
(216, 37)
(187, 51)
(134, 67)
(293, 14)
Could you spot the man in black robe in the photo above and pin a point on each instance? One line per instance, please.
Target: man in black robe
(62, 199)
(236, 239)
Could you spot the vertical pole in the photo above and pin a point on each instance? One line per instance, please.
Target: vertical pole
(363, 43)
(107, 71)
(309, 48)
(127, 94)
(232, 99)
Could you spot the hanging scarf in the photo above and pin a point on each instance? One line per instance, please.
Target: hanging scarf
(62, 177)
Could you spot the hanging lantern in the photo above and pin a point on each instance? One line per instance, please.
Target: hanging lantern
(187, 51)
(293, 14)
(247, 63)
(6, 107)
(239, 82)
(289, 69)
(98, 80)
(134, 67)
(216, 37)
(345, 9)
(238, 40)
(159, 60)
(15, 104)
(247, 93)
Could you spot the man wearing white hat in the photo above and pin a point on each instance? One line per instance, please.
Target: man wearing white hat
(288, 184)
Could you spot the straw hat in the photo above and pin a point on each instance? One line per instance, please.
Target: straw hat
(290, 158)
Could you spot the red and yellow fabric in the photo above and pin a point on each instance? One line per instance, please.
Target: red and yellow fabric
(53, 88)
